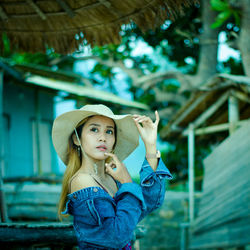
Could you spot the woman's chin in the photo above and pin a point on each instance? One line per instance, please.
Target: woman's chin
(100, 157)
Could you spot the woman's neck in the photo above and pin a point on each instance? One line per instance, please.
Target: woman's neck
(93, 167)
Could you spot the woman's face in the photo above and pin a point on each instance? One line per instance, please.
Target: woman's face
(98, 137)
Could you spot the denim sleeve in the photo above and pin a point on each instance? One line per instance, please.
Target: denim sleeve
(153, 185)
(110, 222)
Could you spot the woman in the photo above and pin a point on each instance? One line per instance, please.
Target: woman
(97, 189)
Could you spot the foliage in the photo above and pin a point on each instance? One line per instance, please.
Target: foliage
(176, 157)
(30, 58)
(226, 11)
(233, 66)
(176, 42)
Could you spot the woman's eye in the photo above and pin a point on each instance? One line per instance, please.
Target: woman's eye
(110, 132)
(94, 129)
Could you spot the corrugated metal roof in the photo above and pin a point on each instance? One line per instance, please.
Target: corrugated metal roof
(82, 91)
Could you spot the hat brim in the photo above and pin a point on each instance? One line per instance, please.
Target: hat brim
(127, 138)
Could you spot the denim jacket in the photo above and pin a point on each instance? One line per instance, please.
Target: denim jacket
(103, 222)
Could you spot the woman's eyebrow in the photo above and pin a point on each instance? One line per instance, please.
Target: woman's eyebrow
(98, 125)
(94, 124)
(110, 127)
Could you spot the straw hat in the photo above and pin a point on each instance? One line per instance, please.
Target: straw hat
(127, 138)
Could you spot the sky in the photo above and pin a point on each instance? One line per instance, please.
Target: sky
(135, 160)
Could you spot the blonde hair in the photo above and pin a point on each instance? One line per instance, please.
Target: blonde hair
(73, 165)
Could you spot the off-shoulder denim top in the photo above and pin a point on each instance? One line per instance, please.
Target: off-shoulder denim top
(103, 222)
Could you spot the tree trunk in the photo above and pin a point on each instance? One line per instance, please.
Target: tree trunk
(244, 44)
(209, 45)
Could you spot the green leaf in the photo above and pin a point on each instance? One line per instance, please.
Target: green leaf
(219, 5)
(6, 44)
(221, 18)
(237, 18)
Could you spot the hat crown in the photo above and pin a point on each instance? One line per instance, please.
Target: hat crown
(98, 108)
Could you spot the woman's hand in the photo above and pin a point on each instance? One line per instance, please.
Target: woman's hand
(147, 129)
(117, 169)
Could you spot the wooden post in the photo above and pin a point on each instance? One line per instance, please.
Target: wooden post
(37, 125)
(4, 216)
(184, 235)
(233, 113)
(191, 153)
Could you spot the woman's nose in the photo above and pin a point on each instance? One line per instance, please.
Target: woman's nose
(102, 137)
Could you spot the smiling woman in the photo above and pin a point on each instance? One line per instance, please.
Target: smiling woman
(97, 188)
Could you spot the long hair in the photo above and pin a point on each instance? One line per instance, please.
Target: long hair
(73, 165)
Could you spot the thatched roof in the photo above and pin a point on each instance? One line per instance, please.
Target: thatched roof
(63, 25)
(213, 95)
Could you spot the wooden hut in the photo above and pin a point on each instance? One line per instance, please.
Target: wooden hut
(219, 111)
(65, 25)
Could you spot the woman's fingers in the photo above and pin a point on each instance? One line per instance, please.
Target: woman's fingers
(114, 157)
(143, 118)
(157, 117)
(111, 164)
(108, 169)
(146, 119)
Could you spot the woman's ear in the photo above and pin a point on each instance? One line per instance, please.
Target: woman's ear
(75, 141)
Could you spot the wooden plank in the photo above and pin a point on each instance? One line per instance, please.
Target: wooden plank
(190, 109)
(232, 187)
(3, 207)
(211, 110)
(32, 198)
(233, 113)
(34, 179)
(24, 235)
(31, 212)
(233, 234)
(44, 234)
(241, 96)
(191, 160)
(226, 195)
(3, 15)
(227, 149)
(66, 7)
(224, 212)
(37, 9)
(216, 128)
(43, 194)
(214, 182)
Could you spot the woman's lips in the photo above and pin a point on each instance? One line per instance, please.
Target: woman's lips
(102, 148)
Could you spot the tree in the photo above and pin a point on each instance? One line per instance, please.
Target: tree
(191, 43)
(193, 37)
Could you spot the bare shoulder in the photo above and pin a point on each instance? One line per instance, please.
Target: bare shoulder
(81, 181)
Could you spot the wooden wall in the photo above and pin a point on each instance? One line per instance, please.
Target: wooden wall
(27, 201)
(224, 211)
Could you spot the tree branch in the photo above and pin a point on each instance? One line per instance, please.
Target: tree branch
(162, 96)
(148, 81)
(132, 73)
(167, 112)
